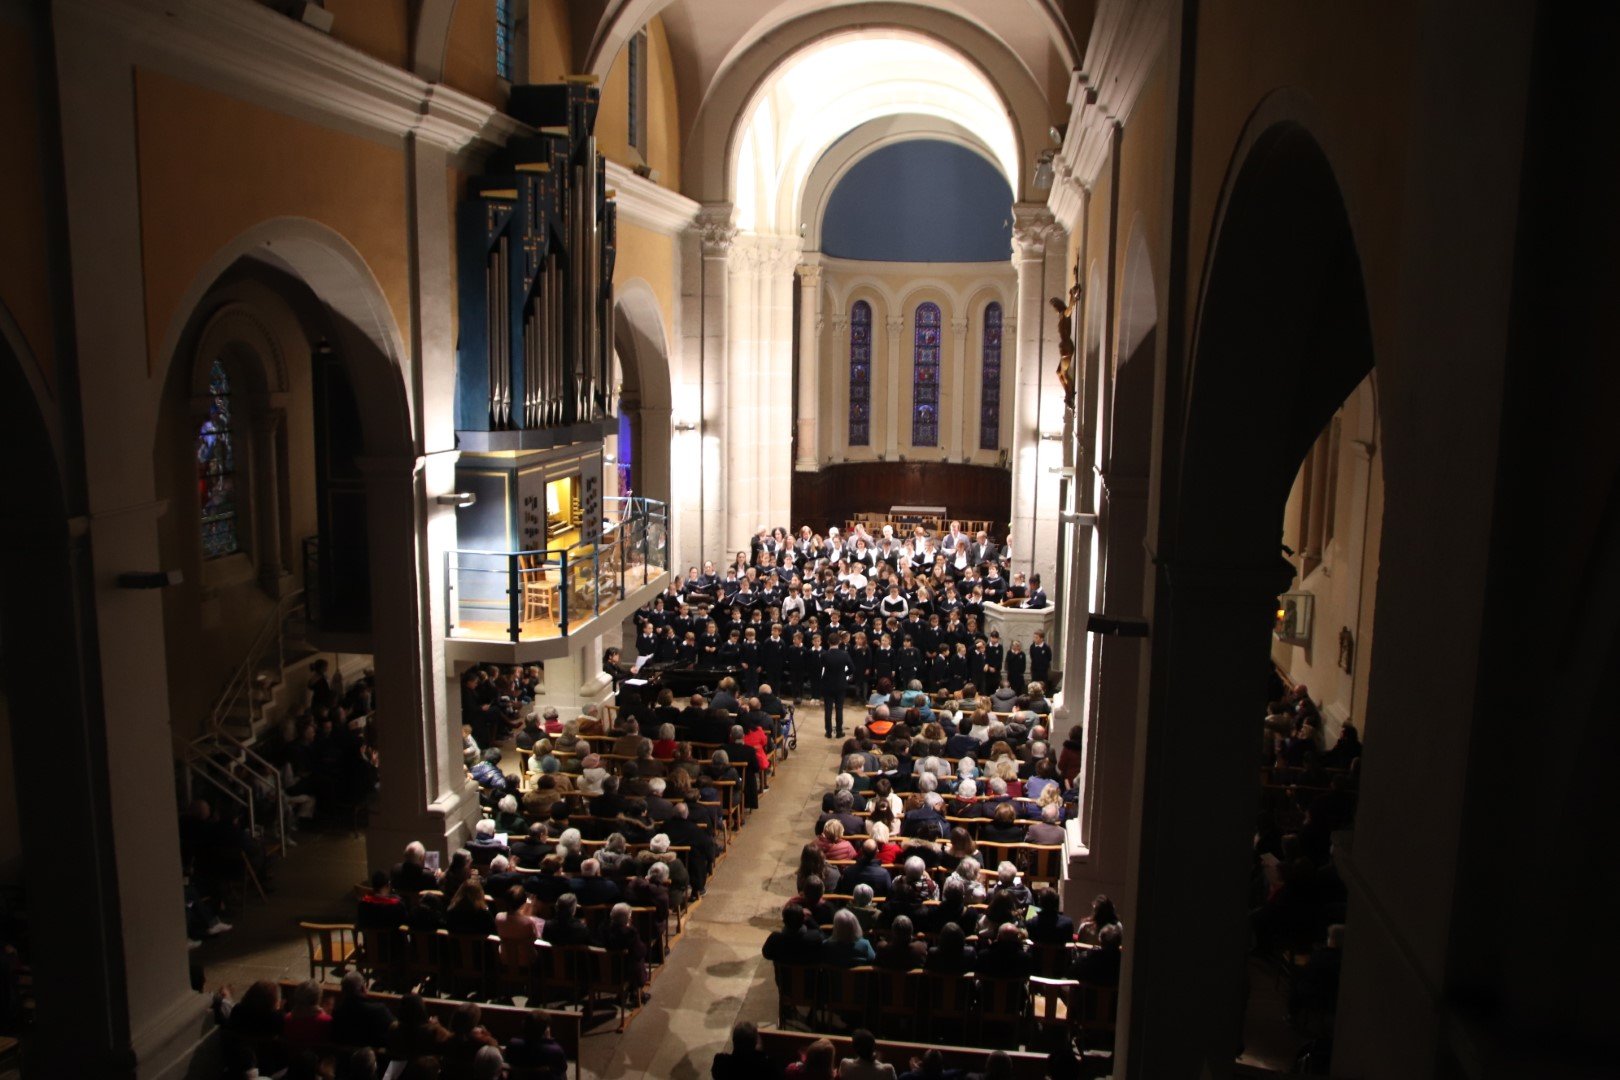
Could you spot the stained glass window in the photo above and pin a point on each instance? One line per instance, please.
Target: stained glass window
(503, 39)
(990, 385)
(925, 377)
(216, 469)
(860, 374)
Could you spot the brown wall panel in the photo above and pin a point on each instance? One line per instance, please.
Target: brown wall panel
(837, 492)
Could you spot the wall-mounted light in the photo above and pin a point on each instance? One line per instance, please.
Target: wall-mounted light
(1075, 516)
(685, 425)
(1051, 436)
(458, 499)
(150, 579)
(1043, 170)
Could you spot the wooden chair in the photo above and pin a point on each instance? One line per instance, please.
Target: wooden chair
(331, 947)
(895, 997)
(381, 954)
(947, 1002)
(798, 987)
(1001, 1005)
(468, 961)
(607, 978)
(423, 964)
(1092, 1013)
(654, 932)
(539, 593)
(1045, 864)
(845, 993)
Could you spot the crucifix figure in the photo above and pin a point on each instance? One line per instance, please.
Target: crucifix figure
(1065, 312)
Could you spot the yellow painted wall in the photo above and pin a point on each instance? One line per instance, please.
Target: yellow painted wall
(212, 167)
(663, 111)
(469, 55)
(1354, 67)
(1142, 175)
(550, 41)
(23, 274)
(379, 28)
(649, 256)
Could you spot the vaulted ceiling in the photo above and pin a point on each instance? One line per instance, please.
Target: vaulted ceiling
(706, 37)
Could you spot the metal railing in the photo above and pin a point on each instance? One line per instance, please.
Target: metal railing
(533, 595)
(226, 760)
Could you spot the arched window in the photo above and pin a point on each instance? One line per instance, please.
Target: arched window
(216, 469)
(925, 377)
(860, 374)
(990, 384)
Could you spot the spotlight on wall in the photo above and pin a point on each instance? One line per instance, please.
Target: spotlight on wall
(150, 579)
(684, 425)
(1043, 170)
(459, 499)
(1051, 436)
(1087, 520)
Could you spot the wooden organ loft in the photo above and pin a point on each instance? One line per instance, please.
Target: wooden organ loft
(535, 270)
(542, 551)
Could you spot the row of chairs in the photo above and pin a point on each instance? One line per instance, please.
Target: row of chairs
(1039, 864)
(473, 966)
(952, 1008)
(504, 1022)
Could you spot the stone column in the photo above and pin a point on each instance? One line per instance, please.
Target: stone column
(962, 439)
(741, 465)
(1037, 397)
(424, 791)
(1183, 991)
(1111, 732)
(773, 403)
(267, 427)
(809, 451)
(898, 413)
(835, 432)
(716, 236)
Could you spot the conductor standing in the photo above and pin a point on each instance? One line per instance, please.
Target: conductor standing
(834, 682)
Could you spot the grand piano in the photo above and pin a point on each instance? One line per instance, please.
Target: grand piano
(682, 681)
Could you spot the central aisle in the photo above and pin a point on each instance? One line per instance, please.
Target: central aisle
(715, 975)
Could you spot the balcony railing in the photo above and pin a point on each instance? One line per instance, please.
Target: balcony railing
(535, 595)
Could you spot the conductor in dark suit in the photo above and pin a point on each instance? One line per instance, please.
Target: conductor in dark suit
(834, 684)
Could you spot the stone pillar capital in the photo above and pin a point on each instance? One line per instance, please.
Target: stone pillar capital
(840, 323)
(810, 275)
(959, 326)
(715, 230)
(895, 323)
(1033, 228)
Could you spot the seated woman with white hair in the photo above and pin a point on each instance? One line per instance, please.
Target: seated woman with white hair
(591, 775)
(967, 872)
(967, 797)
(848, 946)
(921, 882)
(507, 818)
(570, 845)
(619, 935)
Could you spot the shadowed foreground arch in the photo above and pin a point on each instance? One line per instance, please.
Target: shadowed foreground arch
(1281, 338)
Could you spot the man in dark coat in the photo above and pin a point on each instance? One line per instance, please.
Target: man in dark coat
(834, 684)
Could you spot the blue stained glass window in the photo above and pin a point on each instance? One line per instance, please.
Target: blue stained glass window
(216, 469)
(925, 377)
(503, 39)
(860, 374)
(990, 385)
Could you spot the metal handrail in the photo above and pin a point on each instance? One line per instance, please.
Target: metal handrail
(217, 737)
(629, 526)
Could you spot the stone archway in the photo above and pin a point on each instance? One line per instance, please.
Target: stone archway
(1283, 333)
(643, 348)
(347, 320)
(82, 1019)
